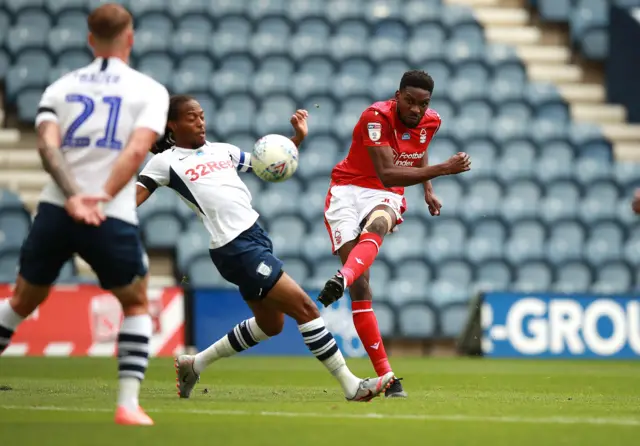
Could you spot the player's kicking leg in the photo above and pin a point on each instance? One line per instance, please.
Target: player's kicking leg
(248, 261)
(357, 256)
(266, 323)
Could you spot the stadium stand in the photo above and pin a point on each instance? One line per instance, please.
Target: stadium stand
(546, 206)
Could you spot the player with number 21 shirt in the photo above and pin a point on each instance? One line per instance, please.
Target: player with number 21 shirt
(366, 197)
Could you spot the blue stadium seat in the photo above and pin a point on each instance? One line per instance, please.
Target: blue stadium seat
(447, 239)
(600, 201)
(526, 241)
(555, 11)
(197, 23)
(566, 241)
(72, 19)
(202, 273)
(613, 278)
(522, 200)
(495, 275)
(56, 7)
(400, 245)
(23, 77)
(589, 170)
(300, 11)
(605, 243)
(533, 276)
(23, 38)
(187, 43)
(517, 160)
(320, 155)
(33, 19)
(18, 6)
(588, 24)
(14, 226)
(419, 12)
(453, 319)
(65, 39)
(274, 115)
(286, 234)
(296, 268)
(228, 44)
(264, 45)
(182, 8)
(191, 243)
(483, 198)
(450, 192)
(237, 114)
(190, 81)
(560, 201)
(161, 230)
(491, 230)
(516, 109)
(276, 202)
(386, 319)
(238, 63)
(305, 46)
(157, 21)
(417, 321)
(163, 200)
(403, 291)
(151, 41)
(9, 259)
(379, 279)
(74, 59)
(221, 10)
(27, 103)
(143, 7)
(573, 277)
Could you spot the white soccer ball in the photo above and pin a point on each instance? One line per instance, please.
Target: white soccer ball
(274, 158)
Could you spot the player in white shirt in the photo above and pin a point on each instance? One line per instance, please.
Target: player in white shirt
(205, 175)
(95, 126)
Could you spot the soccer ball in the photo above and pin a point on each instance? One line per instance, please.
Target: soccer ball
(274, 158)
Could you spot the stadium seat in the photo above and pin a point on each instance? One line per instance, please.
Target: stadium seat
(555, 11)
(27, 103)
(9, 259)
(202, 273)
(161, 230)
(533, 276)
(417, 321)
(65, 39)
(574, 277)
(447, 239)
(494, 275)
(287, 233)
(385, 315)
(614, 278)
(453, 319)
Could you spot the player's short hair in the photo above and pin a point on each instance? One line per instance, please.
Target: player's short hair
(108, 21)
(417, 79)
(167, 140)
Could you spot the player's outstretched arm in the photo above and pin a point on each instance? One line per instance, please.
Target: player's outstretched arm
(53, 160)
(396, 176)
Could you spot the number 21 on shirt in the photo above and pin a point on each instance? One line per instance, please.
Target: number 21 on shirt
(108, 141)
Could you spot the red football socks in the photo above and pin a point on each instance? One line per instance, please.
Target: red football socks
(366, 325)
(361, 257)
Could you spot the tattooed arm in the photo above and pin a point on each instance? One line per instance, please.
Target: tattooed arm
(53, 160)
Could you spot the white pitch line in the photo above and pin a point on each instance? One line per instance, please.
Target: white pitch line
(368, 416)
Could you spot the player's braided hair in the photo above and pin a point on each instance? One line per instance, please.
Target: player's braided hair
(417, 79)
(167, 140)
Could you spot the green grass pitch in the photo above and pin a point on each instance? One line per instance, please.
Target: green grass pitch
(250, 401)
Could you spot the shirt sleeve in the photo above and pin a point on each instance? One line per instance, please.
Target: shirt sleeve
(48, 106)
(375, 129)
(155, 173)
(154, 111)
(242, 160)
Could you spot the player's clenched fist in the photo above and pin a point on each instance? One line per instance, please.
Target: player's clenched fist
(458, 163)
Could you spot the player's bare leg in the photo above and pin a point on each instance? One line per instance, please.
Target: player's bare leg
(133, 351)
(26, 298)
(287, 297)
(380, 221)
(267, 322)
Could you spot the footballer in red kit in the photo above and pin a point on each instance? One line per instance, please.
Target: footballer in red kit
(366, 197)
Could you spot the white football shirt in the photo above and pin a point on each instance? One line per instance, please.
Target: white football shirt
(97, 108)
(207, 180)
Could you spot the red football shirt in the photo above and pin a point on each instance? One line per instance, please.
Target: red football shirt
(379, 125)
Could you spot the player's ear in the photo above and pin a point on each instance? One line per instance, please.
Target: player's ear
(397, 95)
(91, 40)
